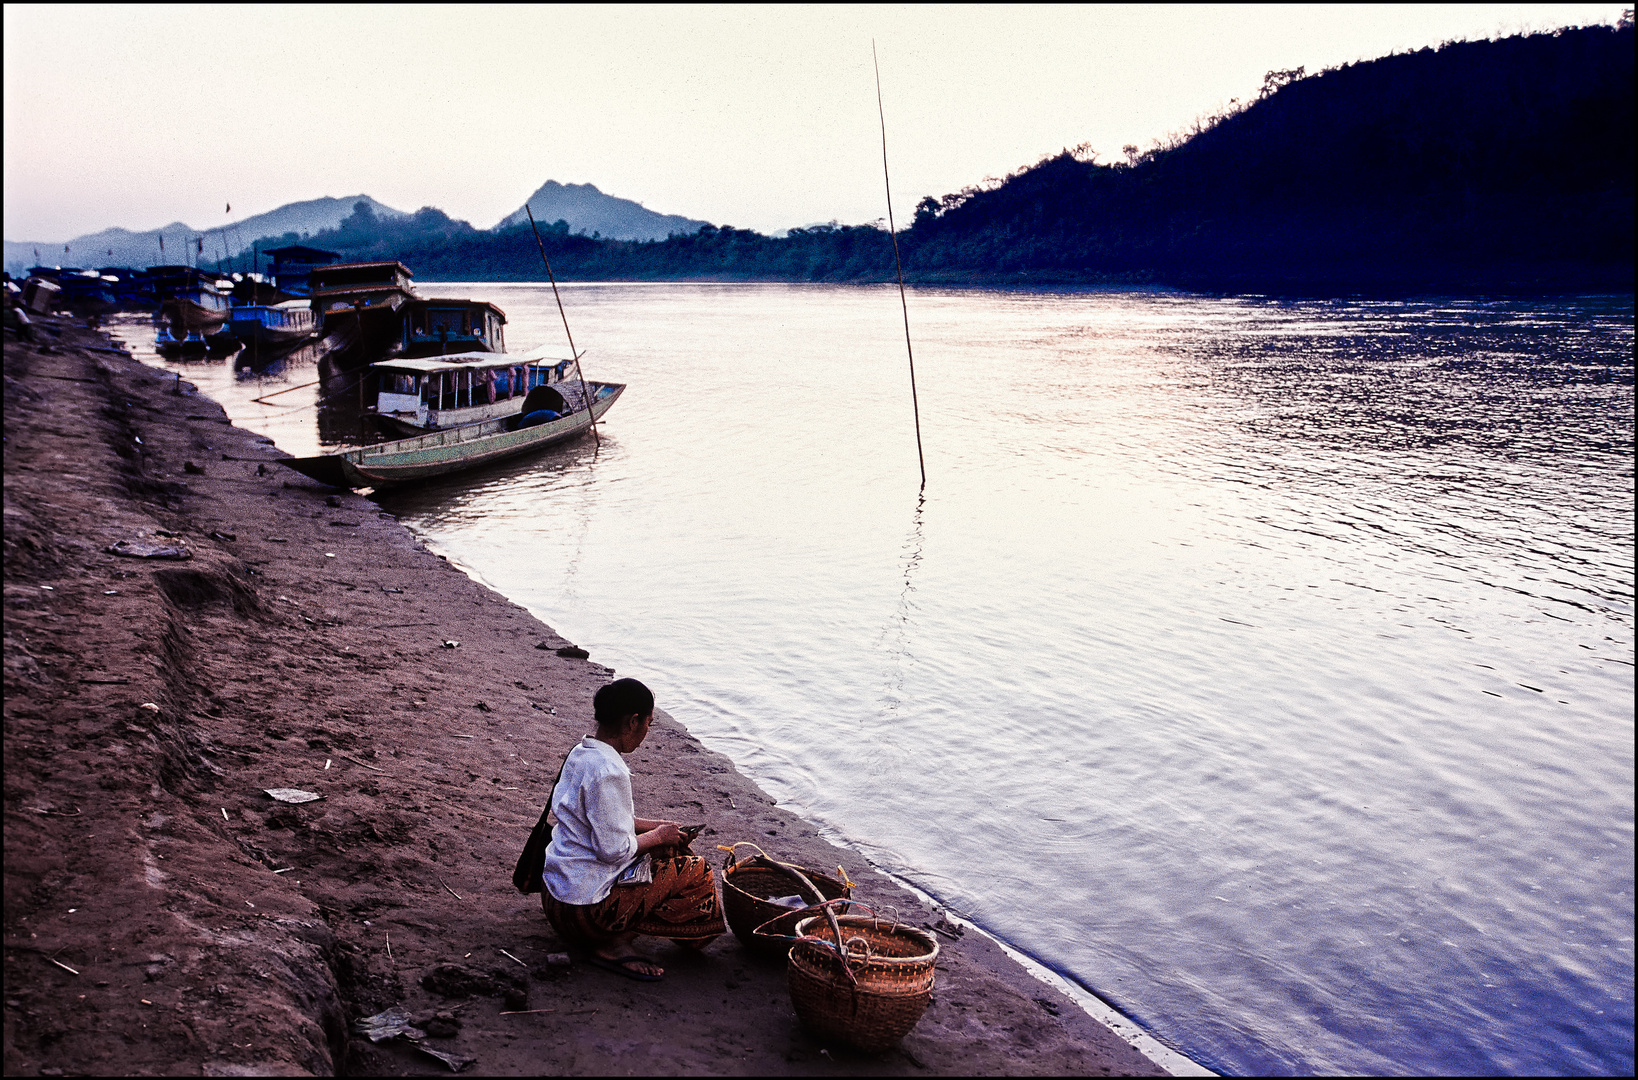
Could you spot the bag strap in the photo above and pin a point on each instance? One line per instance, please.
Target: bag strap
(526, 877)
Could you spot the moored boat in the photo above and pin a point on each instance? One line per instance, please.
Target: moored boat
(294, 265)
(269, 325)
(88, 292)
(453, 449)
(165, 340)
(362, 301)
(438, 327)
(189, 299)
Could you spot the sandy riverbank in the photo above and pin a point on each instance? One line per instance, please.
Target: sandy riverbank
(301, 645)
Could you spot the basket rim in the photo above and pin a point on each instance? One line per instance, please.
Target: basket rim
(813, 875)
(804, 930)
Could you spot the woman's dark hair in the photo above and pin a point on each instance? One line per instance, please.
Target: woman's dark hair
(619, 699)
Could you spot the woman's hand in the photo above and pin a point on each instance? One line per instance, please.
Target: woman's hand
(665, 835)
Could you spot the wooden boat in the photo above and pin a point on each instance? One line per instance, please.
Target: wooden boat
(293, 266)
(133, 289)
(269, 325)
(414, 396)
(452, 449)
(200, 306)
(87, 292)
(362, 300)
(434, 327)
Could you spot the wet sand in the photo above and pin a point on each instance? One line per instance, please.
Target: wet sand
(163, 915)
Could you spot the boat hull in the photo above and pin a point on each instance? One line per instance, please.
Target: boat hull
(449, 450)
(189, 314)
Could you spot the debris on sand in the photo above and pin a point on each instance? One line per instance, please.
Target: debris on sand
(132, 549)
(292, 795)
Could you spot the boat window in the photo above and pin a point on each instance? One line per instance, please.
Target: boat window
(404, 384)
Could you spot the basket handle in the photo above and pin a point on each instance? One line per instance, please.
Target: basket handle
(840, 948)
(801, 878)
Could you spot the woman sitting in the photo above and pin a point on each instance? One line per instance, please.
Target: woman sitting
(611, 875)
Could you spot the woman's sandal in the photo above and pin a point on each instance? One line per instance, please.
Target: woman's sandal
(620, 965)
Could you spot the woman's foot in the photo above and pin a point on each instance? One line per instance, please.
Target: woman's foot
(631, 965)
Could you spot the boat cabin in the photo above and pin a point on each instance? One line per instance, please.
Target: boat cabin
(358, 286)
(442, 327)
(171, 281)
(424, 394)
(293, 266)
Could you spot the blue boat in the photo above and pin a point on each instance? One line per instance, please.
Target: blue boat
(270, 325)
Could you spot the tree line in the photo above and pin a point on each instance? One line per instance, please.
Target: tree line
(1504, 164)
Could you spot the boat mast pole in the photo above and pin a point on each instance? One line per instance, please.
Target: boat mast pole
(898, 263)
(585, 391)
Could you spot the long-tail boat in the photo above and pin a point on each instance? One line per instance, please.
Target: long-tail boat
(533, 426)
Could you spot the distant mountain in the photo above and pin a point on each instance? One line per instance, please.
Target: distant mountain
(589, 211)
(122, 247)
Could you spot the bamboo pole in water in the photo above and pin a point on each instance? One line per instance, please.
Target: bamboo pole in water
(585, 391)
(898, 264)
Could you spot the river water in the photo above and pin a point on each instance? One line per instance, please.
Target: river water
(1264, 666)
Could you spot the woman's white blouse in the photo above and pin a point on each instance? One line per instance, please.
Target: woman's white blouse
(596, 832)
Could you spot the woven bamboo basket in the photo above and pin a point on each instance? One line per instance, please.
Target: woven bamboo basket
(892, 979)
(746, 887)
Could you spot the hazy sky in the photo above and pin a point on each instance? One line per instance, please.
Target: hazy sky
(757, 117)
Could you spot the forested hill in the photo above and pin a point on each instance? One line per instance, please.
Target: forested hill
(1480, 165)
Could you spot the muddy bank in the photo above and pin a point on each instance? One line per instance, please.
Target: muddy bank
(164, 915)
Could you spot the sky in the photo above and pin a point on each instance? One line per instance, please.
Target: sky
(756, 117)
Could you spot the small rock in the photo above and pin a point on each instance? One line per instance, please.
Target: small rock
(573, 652)
(457, 980)
(332, 500)
(192, 469)
(516, 1000)
(438, 1025)
(543, 645)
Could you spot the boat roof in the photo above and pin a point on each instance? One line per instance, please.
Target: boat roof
(477, 360)
(433, 301)
(294, 251)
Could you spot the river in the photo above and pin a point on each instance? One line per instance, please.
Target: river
(1265, 666)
